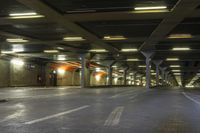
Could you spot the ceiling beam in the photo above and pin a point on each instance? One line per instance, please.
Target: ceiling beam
(9, 21)
(55, 16)
(181, 10)
(13, 35)
(33, 41)
(111, 16)
(97, 16)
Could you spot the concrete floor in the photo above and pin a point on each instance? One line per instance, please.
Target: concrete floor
(112, 110)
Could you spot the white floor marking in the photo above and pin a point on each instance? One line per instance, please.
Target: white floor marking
(114, 117)
(13, 116)
(190, 98)
(55, 115)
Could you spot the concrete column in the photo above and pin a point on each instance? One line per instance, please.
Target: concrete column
(110, 75)
(148, 68)
(163, 74)
(110, 71)
(43, 74)
(135, 77)
(166, 76)
(148, 73)
(169, 79)
(141, 80)
(85, 71)
(157, 63)
(125, 76)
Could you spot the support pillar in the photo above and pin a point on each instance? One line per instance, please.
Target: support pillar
(125, 76)
(148, 68)
(163, 74)
(157, 64)
(110, 75)
(134, 78)
(141, 80)
(166, 77)
(85, 71)
(110, 71)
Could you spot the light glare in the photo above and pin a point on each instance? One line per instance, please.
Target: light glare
(18, 62)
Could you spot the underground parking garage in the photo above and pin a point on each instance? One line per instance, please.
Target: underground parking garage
(109, 66)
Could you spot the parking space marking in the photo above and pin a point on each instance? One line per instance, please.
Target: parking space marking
(56, 115)
(114, 117)
(190, 98)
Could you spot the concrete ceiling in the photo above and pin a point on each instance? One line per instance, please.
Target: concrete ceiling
(93, 20)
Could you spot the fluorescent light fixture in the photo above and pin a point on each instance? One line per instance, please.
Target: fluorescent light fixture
(172, 59)
(181, 49)
(114, 38)
(51, 51)
(176, 70)
(75, 38)
(60, 48)
(114, 66)
(16, 40)
(189, 86)
(98, 50)
(177, 74)
(132, 59)
(180, 36)
(142, 66)
(61, 57)
(129, 50)
(150, 8)
(175, 66)
(25, 15)
(17, 61)
(7, 52)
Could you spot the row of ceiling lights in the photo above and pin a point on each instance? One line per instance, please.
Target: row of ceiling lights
(36, 15)
(77, 38)
(71, 38)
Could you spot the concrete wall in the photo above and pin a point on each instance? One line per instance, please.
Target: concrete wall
(14, 75)
(24, 75)
(69, 78)
(5, 73)
(27, 75)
